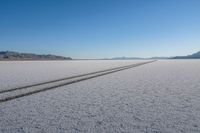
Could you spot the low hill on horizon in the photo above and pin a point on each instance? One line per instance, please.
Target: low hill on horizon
(193, 56)
(17, 56)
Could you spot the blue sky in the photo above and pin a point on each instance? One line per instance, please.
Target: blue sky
(101, 28)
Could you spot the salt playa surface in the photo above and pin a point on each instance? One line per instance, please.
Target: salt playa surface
(20, 73)
(160, 97)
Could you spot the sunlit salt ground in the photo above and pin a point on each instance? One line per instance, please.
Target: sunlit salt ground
(161, 97)
(20, 73)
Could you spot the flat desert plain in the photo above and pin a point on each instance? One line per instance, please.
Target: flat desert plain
(158, 97)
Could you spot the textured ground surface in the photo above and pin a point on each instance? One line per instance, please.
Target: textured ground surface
(161, 97)
(20, 73)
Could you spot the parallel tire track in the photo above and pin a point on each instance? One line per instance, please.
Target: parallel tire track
(14, 93)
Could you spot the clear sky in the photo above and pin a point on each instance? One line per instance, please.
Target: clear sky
(101, 28)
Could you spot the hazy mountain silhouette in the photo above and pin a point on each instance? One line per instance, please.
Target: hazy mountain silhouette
(125, 58)
(11, 55)
(193, 56)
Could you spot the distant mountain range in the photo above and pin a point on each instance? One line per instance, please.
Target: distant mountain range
(137, 58)
(126, 58)
(193, 56)
(11, 55)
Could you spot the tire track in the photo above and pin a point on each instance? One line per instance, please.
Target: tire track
(14, 93)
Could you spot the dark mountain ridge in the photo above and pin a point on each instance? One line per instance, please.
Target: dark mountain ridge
(11, 55)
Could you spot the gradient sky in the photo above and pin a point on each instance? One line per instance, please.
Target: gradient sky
(101, 28)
